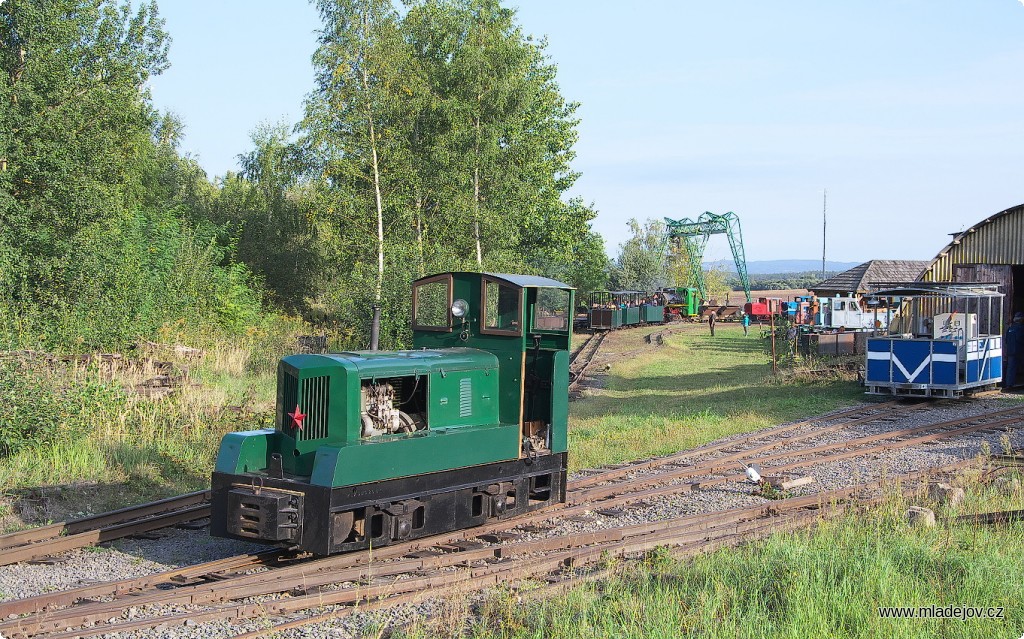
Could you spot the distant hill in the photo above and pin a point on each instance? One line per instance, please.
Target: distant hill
(762, 267)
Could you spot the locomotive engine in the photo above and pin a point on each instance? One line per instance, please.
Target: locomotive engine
(372, 447)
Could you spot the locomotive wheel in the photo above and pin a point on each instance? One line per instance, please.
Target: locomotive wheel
(343, 524)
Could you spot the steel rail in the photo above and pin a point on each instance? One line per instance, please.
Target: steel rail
(579, 349)
(56, 545)
(588, 353)
(102, 520)
(614, 473)
(133, 585)
(731, 461)
(697, 530)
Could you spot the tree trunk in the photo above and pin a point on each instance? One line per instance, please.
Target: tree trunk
(476, 193)
(419, 235)
(376, 183)
(476, 215)
(380, 216)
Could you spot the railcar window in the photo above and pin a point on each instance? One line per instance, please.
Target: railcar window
(551, 311)
(501, 307)
(431, 304)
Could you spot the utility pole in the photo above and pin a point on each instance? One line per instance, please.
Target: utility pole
(824, 224)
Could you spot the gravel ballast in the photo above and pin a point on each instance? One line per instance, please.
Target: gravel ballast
(176, 548)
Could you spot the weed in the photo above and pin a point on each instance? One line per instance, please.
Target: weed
(771, 492)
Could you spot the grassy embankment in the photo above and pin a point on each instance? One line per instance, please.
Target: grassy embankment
(80, 439)
(828, 582)
(691, 390)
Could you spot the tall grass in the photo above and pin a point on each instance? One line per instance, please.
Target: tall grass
(826, 582)
(85, 425)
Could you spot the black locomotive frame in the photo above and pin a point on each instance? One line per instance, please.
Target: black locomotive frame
(324, 520)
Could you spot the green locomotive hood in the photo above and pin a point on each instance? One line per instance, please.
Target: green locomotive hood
(370, 364)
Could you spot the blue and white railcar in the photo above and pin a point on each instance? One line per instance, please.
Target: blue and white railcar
(947, 340)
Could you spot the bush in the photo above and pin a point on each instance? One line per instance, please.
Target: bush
(125, 277)
(41, 407)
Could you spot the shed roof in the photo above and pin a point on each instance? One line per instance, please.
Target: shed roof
(938, 289)
(998, 239)
(859, 278)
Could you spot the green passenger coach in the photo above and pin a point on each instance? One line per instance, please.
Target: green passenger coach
(373, 447)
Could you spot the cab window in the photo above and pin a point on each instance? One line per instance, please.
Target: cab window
(431, 304)
(551, 310)
(501, 308)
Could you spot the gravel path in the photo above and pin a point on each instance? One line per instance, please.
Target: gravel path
(176, 548)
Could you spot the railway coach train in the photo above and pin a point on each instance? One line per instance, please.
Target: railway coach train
(610, 310)
(374, 447)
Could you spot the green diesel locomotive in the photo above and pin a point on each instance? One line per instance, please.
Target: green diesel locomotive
(374, 447)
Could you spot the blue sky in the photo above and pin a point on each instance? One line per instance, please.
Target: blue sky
(910, 113)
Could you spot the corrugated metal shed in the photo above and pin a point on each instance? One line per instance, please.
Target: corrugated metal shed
(858, 279)
(996, 240)
(990, 251)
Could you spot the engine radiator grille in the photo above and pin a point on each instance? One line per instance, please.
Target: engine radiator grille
(289, 397)
(316, 405)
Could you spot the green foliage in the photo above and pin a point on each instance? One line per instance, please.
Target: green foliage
(103, 226)
(716, 281)
(642, 263)
(587, 268)
(436, 140)
(74, 117)
(127, 277)
(42, 408)
(782, 281)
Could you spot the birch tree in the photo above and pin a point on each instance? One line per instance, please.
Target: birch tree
(503, 133)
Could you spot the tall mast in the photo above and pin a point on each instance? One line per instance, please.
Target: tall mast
(824, 224)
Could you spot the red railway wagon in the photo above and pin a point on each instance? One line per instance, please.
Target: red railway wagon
(763, 308)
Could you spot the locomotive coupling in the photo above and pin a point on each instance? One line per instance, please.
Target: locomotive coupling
(265, 514)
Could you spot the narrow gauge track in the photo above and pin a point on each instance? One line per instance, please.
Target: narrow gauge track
(433, 563)
(581, 360)
(44, 541)
(34, 543)
(686, 536)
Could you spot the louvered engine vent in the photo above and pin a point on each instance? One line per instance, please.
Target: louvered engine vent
(315, 404)
(465, 397)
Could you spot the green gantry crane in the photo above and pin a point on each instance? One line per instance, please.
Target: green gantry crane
(695, 233)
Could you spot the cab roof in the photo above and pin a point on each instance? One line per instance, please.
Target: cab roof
(522, 281)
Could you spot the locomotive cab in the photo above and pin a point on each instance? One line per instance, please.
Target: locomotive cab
(370, 447)
(525, 322)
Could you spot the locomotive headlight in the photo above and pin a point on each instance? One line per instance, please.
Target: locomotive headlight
(459, 308)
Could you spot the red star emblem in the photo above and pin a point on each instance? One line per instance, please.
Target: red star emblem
(297, 417)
